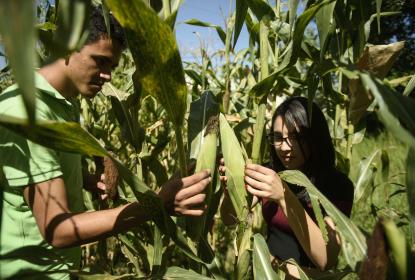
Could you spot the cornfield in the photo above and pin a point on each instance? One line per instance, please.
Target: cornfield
(154, 118)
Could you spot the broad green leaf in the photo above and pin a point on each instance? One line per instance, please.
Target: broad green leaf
(319, 216)
(175, 272)
(366, 175)
(378, 60)
(292, 12)
(395, 110)
(17, 30)
(324, 22)
(158, 250)
(241, 9)
(260, 9)
(212, 262)
(235, 169)
(70, 137)
(353, 241)
(410, 184)
(201, 110)
(95, 276)
(159, 69)
(300, 26)
(262, 259)
(73, 18)
(409, 87)
(221, 33)
(372, 18)
(243, 266)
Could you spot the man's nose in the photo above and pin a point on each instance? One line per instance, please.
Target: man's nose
(105, 76)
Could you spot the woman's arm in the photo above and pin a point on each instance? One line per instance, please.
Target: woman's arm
(264, 182)
(61, 228)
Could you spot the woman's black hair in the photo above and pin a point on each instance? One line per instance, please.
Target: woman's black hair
(314, 136)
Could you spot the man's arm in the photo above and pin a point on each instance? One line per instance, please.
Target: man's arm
(61, 228)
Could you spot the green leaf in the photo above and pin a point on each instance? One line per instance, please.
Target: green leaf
(175, 272)
(395, 110)
(260, 9)
(366, 175)
(353, 241)
(171, 19)
(409, 87)
(70, 137)
(292, 12)
(325, 22)
(235, 168)
(17, 30)
(158, 250)
(410, 184)
(242, 267)
(261, 259)
(378, 6)
(219, 30)
(159, 69)
(241, 11)
(201, 110)
(319, 216)
(73, 18)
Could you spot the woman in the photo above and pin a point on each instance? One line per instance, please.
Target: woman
(297, 143)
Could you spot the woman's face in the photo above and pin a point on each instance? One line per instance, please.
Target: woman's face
(287, 145)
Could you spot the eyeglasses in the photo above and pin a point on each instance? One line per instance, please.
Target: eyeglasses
(276, 139)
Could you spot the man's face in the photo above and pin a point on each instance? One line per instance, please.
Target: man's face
(91, 67)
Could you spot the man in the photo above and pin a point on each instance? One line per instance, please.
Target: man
(42, 218)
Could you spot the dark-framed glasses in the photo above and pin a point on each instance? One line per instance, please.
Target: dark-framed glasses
(276, 139)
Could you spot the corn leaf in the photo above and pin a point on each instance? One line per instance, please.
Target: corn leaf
(241, 9)
(353, 241)
(319, 216)
(366, 172)
(235, 167)
(409, 87)
(72, 22)
(260, 9)
(70, 137)
(378, 6)
(18, 36)
(292, 12)
(395, 110)
(159, 69)
(175, 272)
(219, 30)
(324, 22)
(410, 184)
(243, 270)
(261, 260)
(378, 60)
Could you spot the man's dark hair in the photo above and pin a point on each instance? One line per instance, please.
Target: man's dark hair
(97, 28)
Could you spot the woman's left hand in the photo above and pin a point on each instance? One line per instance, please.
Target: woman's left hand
(263, 182)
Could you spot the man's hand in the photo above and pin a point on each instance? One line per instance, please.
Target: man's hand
(184, 196)
(107, 190)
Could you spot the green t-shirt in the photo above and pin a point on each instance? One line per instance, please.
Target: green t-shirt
(23, 162)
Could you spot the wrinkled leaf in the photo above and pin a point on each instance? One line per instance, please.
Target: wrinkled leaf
(153, 46)
(353, 241)
(377, 60)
